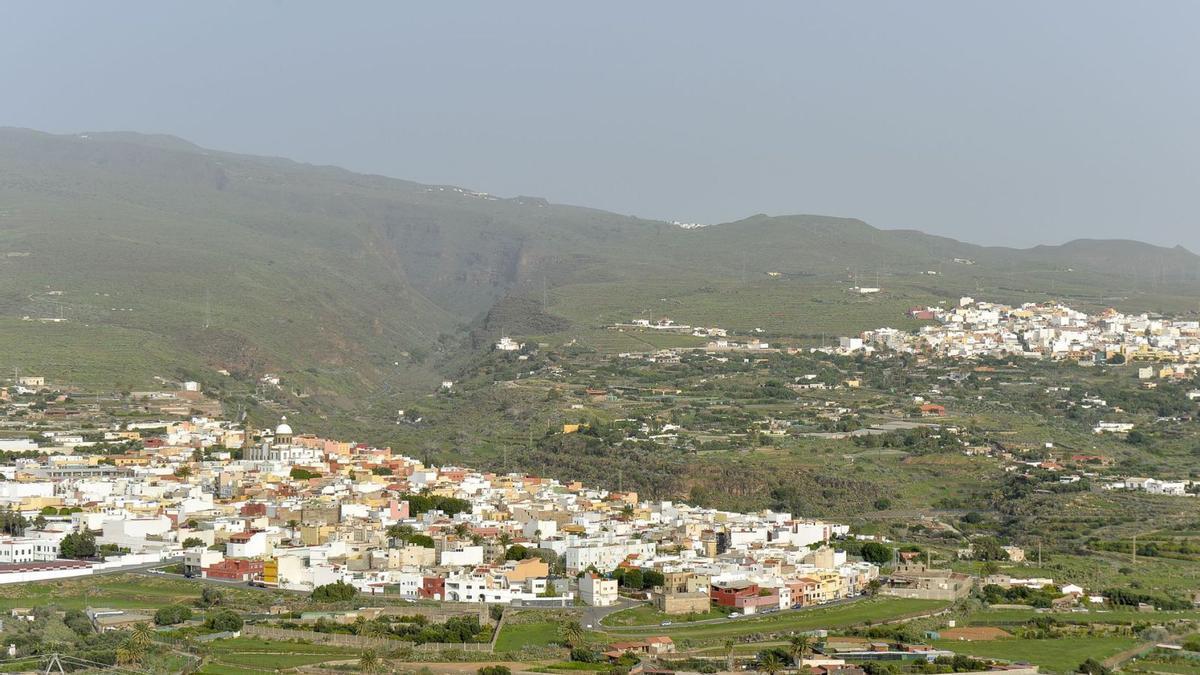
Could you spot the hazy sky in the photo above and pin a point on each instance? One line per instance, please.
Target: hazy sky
(994, 122)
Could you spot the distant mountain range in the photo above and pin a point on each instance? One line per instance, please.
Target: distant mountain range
(255, 263)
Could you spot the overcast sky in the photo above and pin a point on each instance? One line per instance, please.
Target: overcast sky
(994, 122)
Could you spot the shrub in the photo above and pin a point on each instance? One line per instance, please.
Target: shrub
(875, 552)
(210, 597)
(517, 552)
(171, 615)
(585, 655)
(335, 592)
(224, 620)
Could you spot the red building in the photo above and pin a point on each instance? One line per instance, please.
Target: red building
(433, 588)
(733, 593)
(234, 569)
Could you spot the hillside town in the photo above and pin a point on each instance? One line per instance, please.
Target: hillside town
(974, 328)
(297, 511)
(346, 540)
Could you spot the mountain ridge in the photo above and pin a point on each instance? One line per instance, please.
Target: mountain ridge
(259, 262)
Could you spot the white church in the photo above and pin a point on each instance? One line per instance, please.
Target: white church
(278, 448)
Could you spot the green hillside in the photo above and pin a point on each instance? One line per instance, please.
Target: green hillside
(353, 284)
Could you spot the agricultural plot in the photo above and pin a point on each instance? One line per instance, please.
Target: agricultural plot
(862, 612)
(249, 655)
(517, 636)
(1061, 655)
(66, 352)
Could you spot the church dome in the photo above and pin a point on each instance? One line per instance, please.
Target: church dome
(284, 429)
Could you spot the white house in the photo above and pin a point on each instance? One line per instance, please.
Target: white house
(29, 549)
(597, 591)
(467, 555)
(507, 344)
(605, 556)
(248, 545)
(197, 558)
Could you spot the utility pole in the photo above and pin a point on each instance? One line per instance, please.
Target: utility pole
(53, 665)
(1134, 549)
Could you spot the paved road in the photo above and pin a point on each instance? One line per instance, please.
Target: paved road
(144, 568)
(150, 570)
(593, 615)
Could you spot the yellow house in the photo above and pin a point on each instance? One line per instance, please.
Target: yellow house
(39, 503)
(830, 583)
(529, 568)
(314, 535)
(270, 574)
(129, 460)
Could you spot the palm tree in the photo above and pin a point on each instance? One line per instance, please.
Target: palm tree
(140, 637)
(125, 655)
(505, 539)
(372, 629)
(462, 529)
(571, 634)
(399, 532)
(370, 662)
(770, 663)
(729, 655)
(132, 649)
(798, 648)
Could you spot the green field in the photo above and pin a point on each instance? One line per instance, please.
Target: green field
(1162, 663)
(573, 667)
(1060, 655)
(122, 591)
(117, 591)
(219, 667)
(514, 637)
(1000, 617)
(648, 615)
(875, 610)
(249, 655)
(66, 353)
